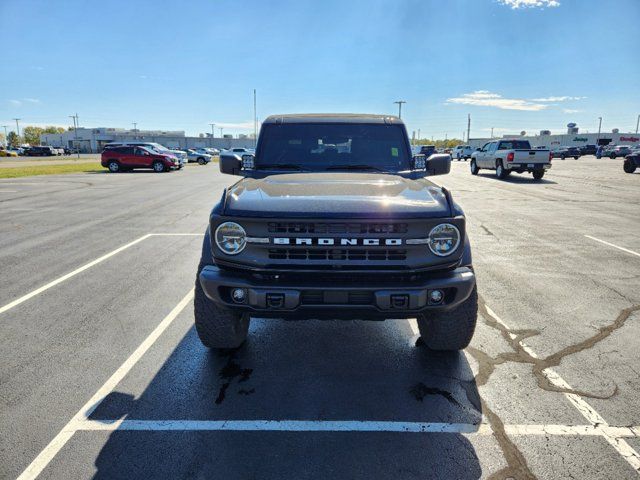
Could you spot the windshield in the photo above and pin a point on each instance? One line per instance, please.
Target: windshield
(319, 146)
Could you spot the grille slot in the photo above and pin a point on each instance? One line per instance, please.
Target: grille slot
(355, 297)
(373, 254)
(338, 228)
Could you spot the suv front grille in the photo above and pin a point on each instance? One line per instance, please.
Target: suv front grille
(345, 227)
(337, 254)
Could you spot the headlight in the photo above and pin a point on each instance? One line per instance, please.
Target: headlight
(444, 239)
(231, 238)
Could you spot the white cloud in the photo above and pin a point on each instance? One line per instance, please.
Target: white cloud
(484, 98)
(557, 99)
(516, 4)
(570, 110)
(15, 103)
(241, 125)
(31, 100)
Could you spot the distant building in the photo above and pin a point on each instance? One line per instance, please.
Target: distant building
(545, 139)
(93, 140)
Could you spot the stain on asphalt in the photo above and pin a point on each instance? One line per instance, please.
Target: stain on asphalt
(230, 371)
(420, 390)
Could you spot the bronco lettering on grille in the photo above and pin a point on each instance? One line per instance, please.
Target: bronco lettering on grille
(372, 242)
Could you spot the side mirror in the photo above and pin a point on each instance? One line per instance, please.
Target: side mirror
(478, 149)
(439, 164)
(230, 164)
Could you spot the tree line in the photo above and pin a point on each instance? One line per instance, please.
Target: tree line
(30, 135)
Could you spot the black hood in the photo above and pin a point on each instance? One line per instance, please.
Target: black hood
(336, 194)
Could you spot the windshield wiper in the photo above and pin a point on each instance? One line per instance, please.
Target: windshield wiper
(356, 167)
(278, 166)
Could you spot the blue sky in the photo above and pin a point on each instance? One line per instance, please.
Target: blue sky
(181, 65)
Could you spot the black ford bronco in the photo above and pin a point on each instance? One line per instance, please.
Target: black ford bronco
(335, 219)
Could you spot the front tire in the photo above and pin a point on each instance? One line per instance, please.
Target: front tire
(114, 166)
(474, 167)
(613, 156)
(201, 161)
(450, 330)
(217, 326)
(158, 166)
(629, 166)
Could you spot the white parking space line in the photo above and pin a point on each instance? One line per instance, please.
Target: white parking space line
(284, 426)
(81, 269)
(587, 411)
(52, 449)
(614, 246)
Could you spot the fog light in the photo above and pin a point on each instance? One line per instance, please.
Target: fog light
(436, 296)
(239, 295)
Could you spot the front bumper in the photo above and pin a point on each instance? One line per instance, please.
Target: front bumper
(370, 300)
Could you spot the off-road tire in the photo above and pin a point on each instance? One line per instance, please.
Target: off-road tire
(450, 330)
(474, 167)
(629, 166)
(538, 174)
(217, 326)
(501, 173)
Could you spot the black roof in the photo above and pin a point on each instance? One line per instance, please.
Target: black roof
(333, 118)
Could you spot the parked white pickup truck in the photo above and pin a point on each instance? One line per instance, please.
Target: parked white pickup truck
(462, 152)
(506, 156)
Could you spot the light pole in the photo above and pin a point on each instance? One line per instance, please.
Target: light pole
(220, 131)
(637, 123)
(18, 125)
(399, 102)
(6, 138)
(469, 126)
(492, 133)
(213, 133)
(599, 128)
(75, 133)
(135, 129)
(255, 120)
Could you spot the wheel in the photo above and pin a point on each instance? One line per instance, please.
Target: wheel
(538, 174)
(158, 166)
(575, 158)
(201, 161)
(500, 171)
(613, 155)
(474, 167)
(450, 330)
(114, 166)
(629, 166)
(562, 157)
(217, 326)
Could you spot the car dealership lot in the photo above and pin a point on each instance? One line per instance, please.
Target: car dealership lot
(102, 372)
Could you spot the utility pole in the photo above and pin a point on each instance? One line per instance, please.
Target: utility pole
(492, 133)
(469, 126)
(599, 128)
(6, 137)
(400, 102)
(135, 129)
(255, 120)
(637, 123)
(18, 125)
(220, 131)
(418, 134)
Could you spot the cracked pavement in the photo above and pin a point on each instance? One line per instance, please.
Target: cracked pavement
(547, 389)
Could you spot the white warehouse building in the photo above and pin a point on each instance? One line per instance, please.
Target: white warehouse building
(93, 140)
(570, 139)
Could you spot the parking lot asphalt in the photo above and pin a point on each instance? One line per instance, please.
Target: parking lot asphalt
(102, 374)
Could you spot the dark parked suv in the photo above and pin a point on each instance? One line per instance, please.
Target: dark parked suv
(335, 219)
(126, 158)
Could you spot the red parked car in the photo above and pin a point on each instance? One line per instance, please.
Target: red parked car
(126, 158)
